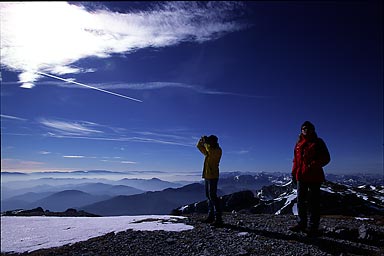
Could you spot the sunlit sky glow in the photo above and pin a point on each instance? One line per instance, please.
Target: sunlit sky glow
(129, 86)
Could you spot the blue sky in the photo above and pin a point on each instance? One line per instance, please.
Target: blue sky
(132, 86)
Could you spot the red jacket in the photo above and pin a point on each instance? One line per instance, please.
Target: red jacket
(310, 156)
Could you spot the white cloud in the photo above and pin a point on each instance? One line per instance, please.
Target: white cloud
(44, 152)
(48, 37)
(105, 159)
(73, 156)
(241, 152)
(158, 85)
(128, 162)
(113, 137)
(136, 86)
(71, 128)
(13, 117)
(118, 162)
(83, 85)
(85, 130)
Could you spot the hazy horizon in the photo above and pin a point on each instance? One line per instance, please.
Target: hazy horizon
(148, 175)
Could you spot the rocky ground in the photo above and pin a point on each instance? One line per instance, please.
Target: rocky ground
(242, 234)
(40, 212)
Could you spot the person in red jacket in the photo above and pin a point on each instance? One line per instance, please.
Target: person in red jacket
(210, 148)
(310, 156)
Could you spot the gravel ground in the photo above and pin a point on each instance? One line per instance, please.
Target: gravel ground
(242, 234)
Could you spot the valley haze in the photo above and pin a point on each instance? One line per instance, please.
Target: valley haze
(156, 205)
(118, 192)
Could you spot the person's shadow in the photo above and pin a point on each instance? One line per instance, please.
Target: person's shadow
(330, 246)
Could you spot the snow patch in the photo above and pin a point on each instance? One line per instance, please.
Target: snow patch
(243, 234)
(327, 189)
(290, 198)
(22, 234)
(359, 218)
(183, 208)
(295, 210)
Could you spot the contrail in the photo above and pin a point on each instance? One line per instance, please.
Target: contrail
(88, 86)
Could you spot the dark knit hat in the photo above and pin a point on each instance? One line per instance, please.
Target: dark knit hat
(309, 125)
(212, 140)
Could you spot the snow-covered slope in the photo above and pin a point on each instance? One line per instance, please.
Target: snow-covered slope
(336, 199)
(21, 234)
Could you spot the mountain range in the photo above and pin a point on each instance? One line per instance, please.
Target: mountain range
(159, 202)
(336, 199)
(256, 192)
(45, 192)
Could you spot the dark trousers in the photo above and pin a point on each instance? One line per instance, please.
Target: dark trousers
(308, 201)
(214, 207)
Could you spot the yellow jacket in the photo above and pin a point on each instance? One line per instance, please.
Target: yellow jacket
(211, 161)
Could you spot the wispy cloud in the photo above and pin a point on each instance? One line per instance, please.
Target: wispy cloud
(88, 86)
(71, 129)
(156, 86)
(118, 162)
(86, 130)
(48, 37)
(44, 152)
(239, 152)
(74, 128)
(128, 162)
(104, 159)
(13, 118)
(142, 139)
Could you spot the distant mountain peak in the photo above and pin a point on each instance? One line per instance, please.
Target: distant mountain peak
(14, 173)
(336, 199)
(71, 192)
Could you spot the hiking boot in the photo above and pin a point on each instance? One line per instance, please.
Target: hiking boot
(298, 228)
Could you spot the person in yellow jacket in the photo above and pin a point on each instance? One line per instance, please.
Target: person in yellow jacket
(210, 148)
